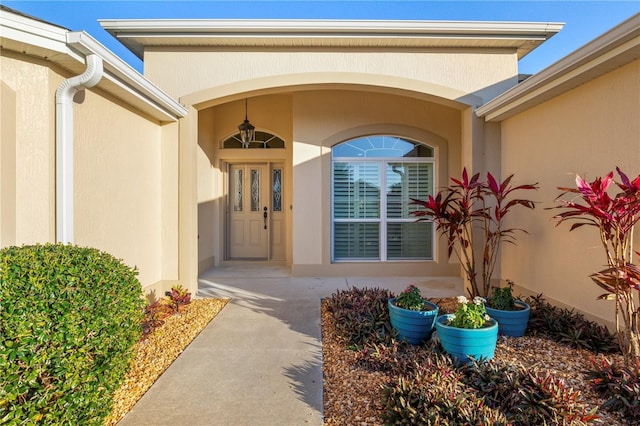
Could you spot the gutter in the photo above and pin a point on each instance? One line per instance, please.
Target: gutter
(119, 73)
(64, 144)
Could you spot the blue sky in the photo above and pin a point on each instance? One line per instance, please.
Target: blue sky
(585, 20)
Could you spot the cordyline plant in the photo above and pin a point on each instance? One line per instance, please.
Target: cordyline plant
(615, 218)
(470, 204)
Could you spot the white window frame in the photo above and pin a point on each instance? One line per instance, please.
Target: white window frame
(383, 220)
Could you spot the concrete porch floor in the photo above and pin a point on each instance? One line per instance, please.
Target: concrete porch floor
(259, 362)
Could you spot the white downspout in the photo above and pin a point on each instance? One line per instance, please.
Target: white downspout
(64, 144)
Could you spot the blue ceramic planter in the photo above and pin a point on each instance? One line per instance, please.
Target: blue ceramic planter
(463, 343)
(511, 323)
(413, 326)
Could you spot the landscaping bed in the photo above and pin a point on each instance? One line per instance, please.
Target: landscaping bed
(354, 379)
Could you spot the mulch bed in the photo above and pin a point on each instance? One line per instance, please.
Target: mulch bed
(352, 393)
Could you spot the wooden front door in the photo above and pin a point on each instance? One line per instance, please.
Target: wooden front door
(249, 211)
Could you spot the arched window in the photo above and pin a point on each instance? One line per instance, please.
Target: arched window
(261, 140)
(373, 181)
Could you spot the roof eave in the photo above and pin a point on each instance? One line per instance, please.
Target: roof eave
(68, 50)
(128, 79)
(282, 32)
(619, 46)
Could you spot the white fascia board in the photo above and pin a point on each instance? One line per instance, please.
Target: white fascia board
(275, 27)
(33, 32)
(125, 76)
(615, 42)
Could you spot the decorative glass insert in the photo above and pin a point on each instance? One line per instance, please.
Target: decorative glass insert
(237, 185)
(277, 190)
(382, 146)
(263, 140)
(255, 190)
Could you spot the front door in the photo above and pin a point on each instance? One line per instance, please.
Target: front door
(249, 211)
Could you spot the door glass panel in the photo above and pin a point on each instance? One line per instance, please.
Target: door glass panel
(237, 196)
(255, 190)
(277, 190)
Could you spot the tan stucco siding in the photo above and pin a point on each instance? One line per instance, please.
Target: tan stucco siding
(589, 130)
(117, 184)
(484, 73)
(32, 85)
(125, 171)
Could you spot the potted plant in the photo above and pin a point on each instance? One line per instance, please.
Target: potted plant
(590, 204)
(512, 314)
(469, 333)
(412, 316)
(470, 205)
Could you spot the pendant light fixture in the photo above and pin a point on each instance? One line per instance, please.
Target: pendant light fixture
(247, 130)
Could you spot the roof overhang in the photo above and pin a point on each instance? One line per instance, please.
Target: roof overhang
(68, 50)
(136, 35)
(614, 49)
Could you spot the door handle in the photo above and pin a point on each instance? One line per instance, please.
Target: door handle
(265, 215)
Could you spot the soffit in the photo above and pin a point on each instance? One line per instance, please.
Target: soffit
(521, 37)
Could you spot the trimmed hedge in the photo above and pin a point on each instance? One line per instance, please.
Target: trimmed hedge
(69, 318)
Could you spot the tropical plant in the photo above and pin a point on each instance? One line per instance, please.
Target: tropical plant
(618, 384)
(361, 316)
(502, 298)
(569, 327)
(615, 218)
(470, 314)
(411, 299)
(470, 204)
(177, 297)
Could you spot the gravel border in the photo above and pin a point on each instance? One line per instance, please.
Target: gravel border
(156, 353)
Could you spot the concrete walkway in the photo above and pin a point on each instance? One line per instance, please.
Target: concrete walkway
(259, 362)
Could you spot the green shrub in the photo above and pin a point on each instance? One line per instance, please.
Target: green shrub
(69, 318)
(361, 316)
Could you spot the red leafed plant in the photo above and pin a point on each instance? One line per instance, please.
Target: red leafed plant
(177, 297)
(471, 203)
(615, 217)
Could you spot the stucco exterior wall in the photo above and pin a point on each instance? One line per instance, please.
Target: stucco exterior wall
(29, 119)
(125, 171)
(589, 130)
(117, 184)
(484, 73)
